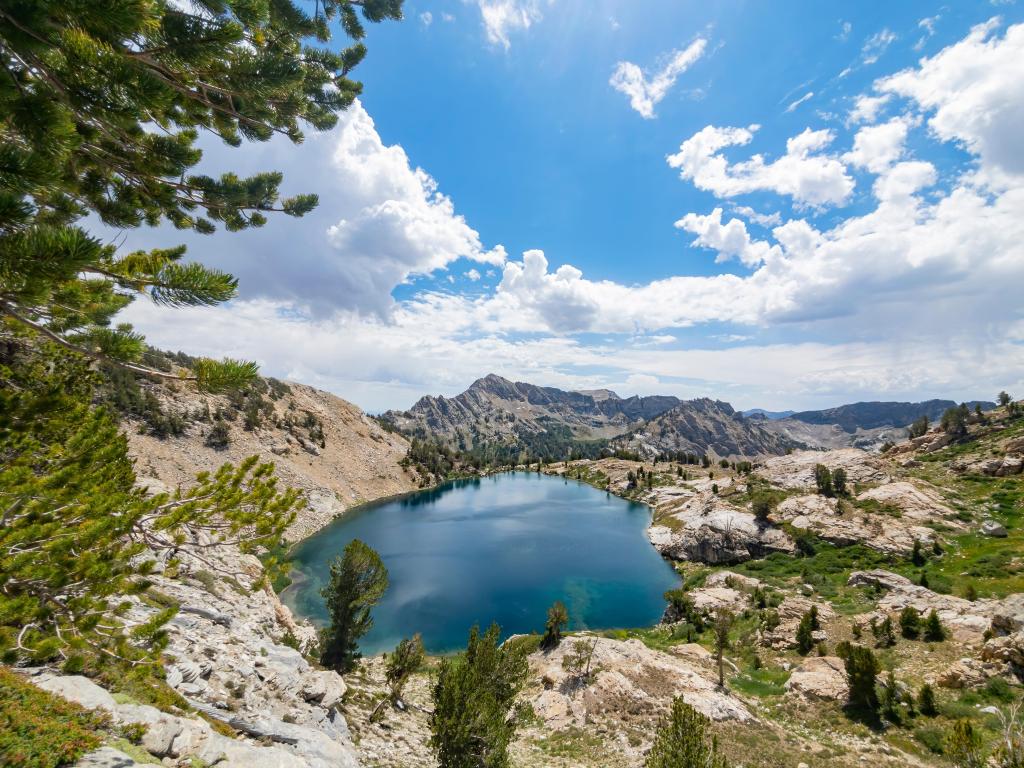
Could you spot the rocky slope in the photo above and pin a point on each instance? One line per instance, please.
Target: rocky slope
(495, 409)
(707, 426)
(318, 443)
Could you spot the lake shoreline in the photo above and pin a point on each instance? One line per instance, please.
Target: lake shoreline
(499, 551)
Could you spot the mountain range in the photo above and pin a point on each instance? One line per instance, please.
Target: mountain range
(497, 411)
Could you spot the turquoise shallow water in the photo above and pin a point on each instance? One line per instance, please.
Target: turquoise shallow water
(500, 548)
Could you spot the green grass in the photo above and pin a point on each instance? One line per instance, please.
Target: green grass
(761, 682)
(40, 730)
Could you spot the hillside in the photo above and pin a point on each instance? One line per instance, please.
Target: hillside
(707, 426)
(872, 415)
(318, 443)
(496, 410)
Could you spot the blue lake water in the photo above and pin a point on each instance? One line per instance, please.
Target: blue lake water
(501, 548)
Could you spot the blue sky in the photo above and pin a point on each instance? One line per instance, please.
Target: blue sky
(785, 205)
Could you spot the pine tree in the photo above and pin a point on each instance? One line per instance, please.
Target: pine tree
(920, 427)
(885, 636)
(400, 665)
(83, 88)
(823, 480)
(862, 671)
(475, 718)
(891, 700)
(804, 635)
(934, 632)
(910, 623)
(721, 628)
(558, 617)
(839, 481)
(75, 532)
(358, 581)
(683, 741)
(579, 661)
(954, 422)
(926, 701)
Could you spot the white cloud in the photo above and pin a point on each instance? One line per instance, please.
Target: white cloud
(876, 45)
(729, 240)
(803, 174)
(918, 295)
(794, 104)
(844, 31)
(447, 17)
(772, 219)
(866, 108)
(500, 17)
(974, 92)
(381, 221)
(473, 275)
(876, 147)
(645, 90)
(427, 18)
(928, 25)
(390, 365)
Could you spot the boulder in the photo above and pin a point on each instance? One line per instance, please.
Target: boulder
(711, 599)
(733, 580)
(958, 614)
(790, 612)
(820, 677)
(796, 470)
(1011, 465)
(707, 529)
(108, 757)
(631, 678)
(323, 687)
(1008, 615)
(1008, 649)
(969, 673)
(878, 578)
(821, 516)
(913, 501)
(993, 528)
(80, 690)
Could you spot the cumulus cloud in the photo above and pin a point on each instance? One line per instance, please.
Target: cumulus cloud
(645, 90)
(501, 17)
(803, 173)
(974, 93)
(731, 240)
(381, 221)
(866, 108)
(876, 147)
(427, 18)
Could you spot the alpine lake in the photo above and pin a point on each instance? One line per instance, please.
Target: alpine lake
(499, 549)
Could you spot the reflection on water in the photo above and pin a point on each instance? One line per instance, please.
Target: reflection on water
(501, 549)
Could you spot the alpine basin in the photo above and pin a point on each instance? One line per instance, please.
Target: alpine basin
(496, 549)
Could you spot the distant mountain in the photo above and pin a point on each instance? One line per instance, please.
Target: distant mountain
(496, 410)
(873, 415)
(768, 414)
(707, 426)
